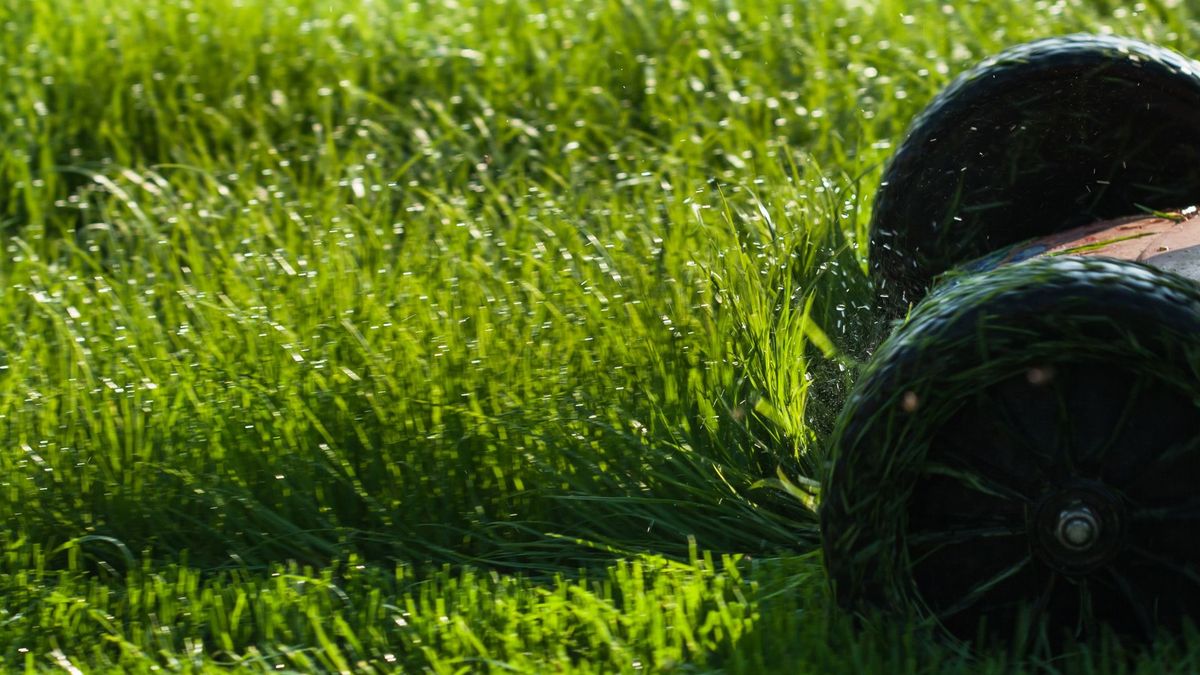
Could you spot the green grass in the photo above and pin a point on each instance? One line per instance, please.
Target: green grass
(452, 336)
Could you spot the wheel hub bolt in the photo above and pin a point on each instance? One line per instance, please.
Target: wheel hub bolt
(1078, 528)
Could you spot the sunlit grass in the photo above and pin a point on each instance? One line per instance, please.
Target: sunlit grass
(516, 305)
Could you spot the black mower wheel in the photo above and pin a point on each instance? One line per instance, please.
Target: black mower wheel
(1021, 457)
(1040, 138)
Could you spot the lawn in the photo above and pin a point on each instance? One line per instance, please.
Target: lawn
(455, 336)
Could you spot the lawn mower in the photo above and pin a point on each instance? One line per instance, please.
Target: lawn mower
(1021, 456)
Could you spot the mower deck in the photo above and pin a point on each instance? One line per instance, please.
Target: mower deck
(1170, 242)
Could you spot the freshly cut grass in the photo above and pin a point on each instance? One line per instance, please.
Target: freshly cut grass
(474, 295)
(640, 614)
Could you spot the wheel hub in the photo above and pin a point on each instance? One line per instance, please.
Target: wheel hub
(1079, 527)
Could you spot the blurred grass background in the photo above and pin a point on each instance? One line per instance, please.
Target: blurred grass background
(452, 336)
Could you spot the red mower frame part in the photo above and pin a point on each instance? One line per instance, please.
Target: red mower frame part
(1169, 242)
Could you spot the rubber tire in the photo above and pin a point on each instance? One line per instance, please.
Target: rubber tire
(949, 438)
(1040, 138)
